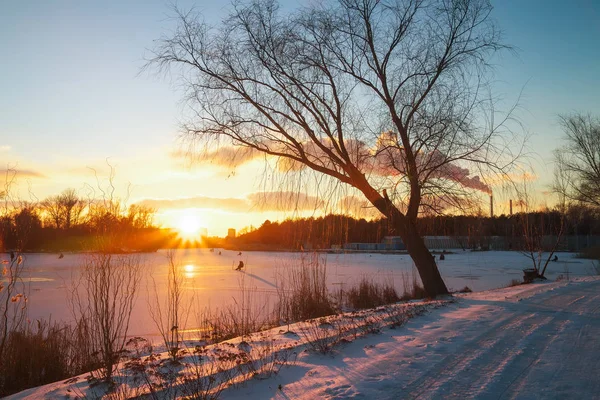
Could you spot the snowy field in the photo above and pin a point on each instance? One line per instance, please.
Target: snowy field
(211, 281)
(537, 341)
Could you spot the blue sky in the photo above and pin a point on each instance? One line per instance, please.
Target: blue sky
(72, 94)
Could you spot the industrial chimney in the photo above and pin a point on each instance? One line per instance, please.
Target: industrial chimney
(491, 206)
(510, 206)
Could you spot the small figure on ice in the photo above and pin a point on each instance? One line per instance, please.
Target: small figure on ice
(555, 258)
(240, 266)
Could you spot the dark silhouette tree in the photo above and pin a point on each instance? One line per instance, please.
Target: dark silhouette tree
(577, 173)
(388, 97)
(64, 209)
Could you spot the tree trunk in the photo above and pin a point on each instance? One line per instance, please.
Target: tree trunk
(415, 245)
(406, 228)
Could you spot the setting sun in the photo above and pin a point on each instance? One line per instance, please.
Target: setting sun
(189, 226)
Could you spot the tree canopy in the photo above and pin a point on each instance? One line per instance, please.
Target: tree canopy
(389, 97)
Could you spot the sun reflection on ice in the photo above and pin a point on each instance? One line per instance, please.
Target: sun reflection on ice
(189, 270)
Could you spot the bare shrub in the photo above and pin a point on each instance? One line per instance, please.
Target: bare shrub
(44, 352)
(170, 317)
(302, 290)
(365, 324)
(209, 371)
(267, 361)
(248, 314)
(412, 288)
(322, 335)
(13, 301)
(395, 316)
(102, 301)
(369, 294)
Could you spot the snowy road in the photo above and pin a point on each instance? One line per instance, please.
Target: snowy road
(544, 347)
(528, 342)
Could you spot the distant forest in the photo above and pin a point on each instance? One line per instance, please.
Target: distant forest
(323, 232)
(67, 222)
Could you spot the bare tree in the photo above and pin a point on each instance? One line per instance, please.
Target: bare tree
(542, 232)
(72, 207)
(577, 174)
(388, 97)
(140, 216)
(13, 288)
(170, 316)
(102, 301)
(52, 209)
(65, 209)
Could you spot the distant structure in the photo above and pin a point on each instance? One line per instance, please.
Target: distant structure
(491, 206)
(230, 233)
(203, 232)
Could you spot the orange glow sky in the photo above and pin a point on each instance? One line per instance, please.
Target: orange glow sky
(73, 97)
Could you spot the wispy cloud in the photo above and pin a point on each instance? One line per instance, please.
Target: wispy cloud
(226, 204)
(258, 201)
(226, 156)
(5, 148)
(389, 162)
(357, 207)
(21, 173)
(284, 201)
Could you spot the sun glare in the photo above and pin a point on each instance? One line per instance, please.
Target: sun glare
(189, 226)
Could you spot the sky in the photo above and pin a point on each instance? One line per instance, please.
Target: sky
(74, 101)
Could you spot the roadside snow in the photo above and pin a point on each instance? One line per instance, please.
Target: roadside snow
(528, 342)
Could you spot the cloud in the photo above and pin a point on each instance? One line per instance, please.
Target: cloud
(225, 204)
(385, 159)
(254, 202)
(225, 156)
(21, 173)
(357, 207)
(284, 201)
(5, 148)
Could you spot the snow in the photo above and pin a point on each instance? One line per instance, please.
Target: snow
(536, 341)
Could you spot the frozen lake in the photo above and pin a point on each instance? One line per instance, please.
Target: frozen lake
(214, 283)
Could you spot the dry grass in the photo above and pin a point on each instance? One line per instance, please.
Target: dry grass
(413, 290)
(302, 291)
(42, 353)
(248, 314)
(369, 294)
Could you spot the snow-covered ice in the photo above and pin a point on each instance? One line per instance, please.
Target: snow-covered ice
(212, 280)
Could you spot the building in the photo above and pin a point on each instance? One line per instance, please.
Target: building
(230, 233)
(388, 243)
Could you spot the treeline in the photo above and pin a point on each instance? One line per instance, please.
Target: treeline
(323, 232)
(67, 222)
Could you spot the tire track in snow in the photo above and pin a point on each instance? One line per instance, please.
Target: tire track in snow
(498, 360)
(576, 350)
(447, 368)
